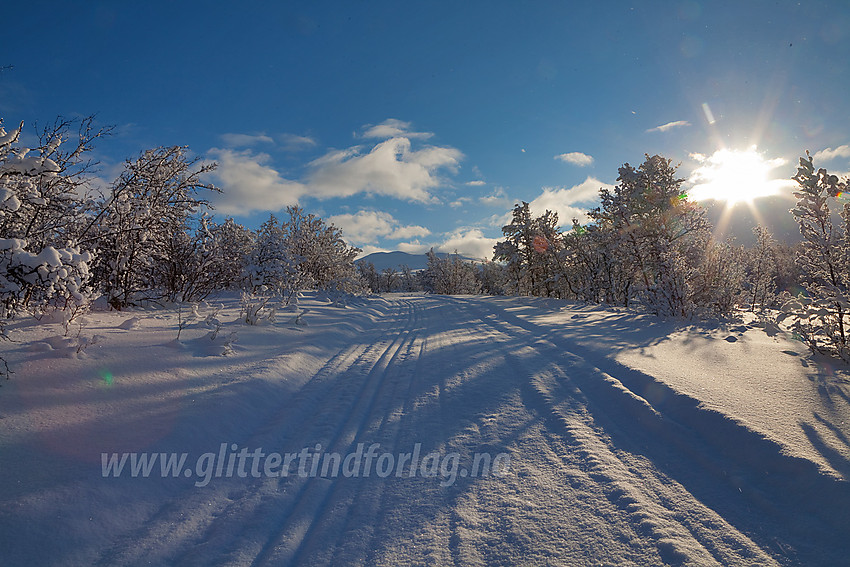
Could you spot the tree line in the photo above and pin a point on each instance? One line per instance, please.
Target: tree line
(148, 237)
(647, 246)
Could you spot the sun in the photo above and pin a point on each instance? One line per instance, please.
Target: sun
(735, 176)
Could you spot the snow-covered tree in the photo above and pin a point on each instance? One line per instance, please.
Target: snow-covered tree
(450, 275)
(787, 271)
(546, 255)
(324, 255)
(390, 279)
(301, 253)
(273, 266)
(369, 275)
(200, 262)
(717, 282)
(492, 278)
(592, 269)
(410, 280)
(656, 232)
(142, 222)
(530, 252)
(231, 247)
(516, 249)
(822, 318)
(762, 270)
(41, 208)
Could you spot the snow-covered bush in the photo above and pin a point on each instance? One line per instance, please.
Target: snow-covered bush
(450, 275)
(369, 276)
(762, 267)
(53, 278)
(592, 270)
(199, 263)
(716, 287)
(492, 278)
(822, 318)
(531, 253)
(140, 229)
(300, 253)
(230, 248)
(659, 234)
(257, 306)
(41, 210)
(42, 189)
(323, 254)
(273, 266)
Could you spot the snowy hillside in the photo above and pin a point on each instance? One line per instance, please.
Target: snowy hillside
(420, 429)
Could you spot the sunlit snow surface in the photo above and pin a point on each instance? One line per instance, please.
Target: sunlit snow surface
(633, 440)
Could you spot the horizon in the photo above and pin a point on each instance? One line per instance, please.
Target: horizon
(412, 127)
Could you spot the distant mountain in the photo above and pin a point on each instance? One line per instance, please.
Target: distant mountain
(383, 260)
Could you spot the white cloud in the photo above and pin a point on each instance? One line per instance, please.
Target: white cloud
(461, 201)
(250, 184)
(410, 231)
(366, 227)
(500, 220)
(566, 213)
(475, 183)
(468, 242)
(670, 126)
(829, 153)
(392, 128)
(245, 140)
(562, 201)
(498, 198)
(414, 247)
(576, 158)
(288, 142)
(390, 168)
(293, 142)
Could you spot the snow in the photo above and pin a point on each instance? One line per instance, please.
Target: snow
(633, 440)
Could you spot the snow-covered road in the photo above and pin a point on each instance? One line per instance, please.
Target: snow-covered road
(604, 464)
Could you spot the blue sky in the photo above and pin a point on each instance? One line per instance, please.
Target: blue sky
(413, 126)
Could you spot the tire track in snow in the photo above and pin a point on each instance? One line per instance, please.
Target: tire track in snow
(247, 507)
(356, 530)
(777, 510)
(584, 427)
(286, 543)
(353, 500)
(419, 394)
(674, 542)
(418, 523)
(315, 423)
(206, 516)
(191, 505)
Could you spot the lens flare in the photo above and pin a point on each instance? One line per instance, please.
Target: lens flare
(540, 244)
(107, 377)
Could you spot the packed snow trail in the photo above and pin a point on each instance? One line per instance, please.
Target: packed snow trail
(607, 465)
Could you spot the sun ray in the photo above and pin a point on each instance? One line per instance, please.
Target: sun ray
(735, 176)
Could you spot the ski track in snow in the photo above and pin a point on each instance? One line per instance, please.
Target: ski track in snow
(601, 473)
